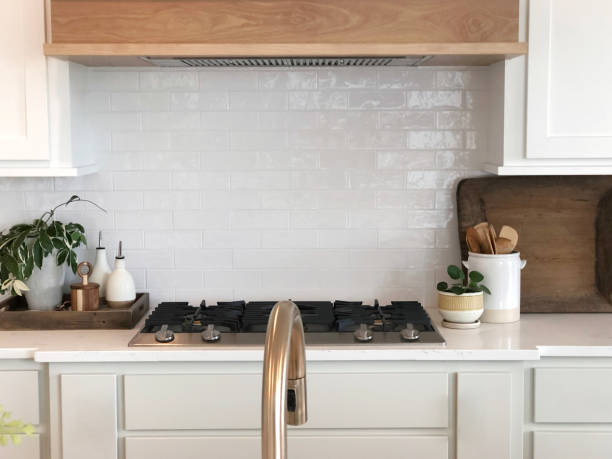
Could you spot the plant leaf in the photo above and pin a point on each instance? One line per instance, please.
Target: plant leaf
(442, 286)
(476, 276)
(29, 266)
(45, 241)
(457, 290)
(485, 289)
(73, 261)
(61, 256)
(38, 254)
(455, 272)
(11, 263)
(58, 243)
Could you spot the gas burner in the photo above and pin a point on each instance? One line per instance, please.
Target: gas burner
(325, 323)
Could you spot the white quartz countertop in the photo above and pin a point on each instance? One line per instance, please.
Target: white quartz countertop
(533, 337)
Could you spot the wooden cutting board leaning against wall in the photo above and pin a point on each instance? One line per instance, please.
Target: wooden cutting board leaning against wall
(565, 234)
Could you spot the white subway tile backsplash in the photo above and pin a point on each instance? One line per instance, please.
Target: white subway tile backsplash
(234, 79)
(156, 239)
(343, 78)
(423, 100)
(238, 238)
(205, 101)
(139, 180)
(397, 78)
(371, 100)
(318, 100)
(311, 219)
(201, 219)
(405, 159)
(283, 79)
(140, 101)
(434, 140)
(408, 120)
(255, 101)
(169, 80)
(261, 183)
(198, 180)
(170, 121)
(292, 239)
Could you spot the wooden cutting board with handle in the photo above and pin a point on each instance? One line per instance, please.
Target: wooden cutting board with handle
(565, 234)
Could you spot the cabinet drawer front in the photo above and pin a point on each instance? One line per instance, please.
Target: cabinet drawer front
(23, 389)
(28, 449)
(572, 445)
(573, 395)
(155, 402)
(302, 447)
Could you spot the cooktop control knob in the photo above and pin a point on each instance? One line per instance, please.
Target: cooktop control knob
(410, 333)
(164, 335)
(363, 333)
(210, 335)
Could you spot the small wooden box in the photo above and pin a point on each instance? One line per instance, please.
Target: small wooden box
(16, 316)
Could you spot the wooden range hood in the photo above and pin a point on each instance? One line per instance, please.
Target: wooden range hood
(121, 32)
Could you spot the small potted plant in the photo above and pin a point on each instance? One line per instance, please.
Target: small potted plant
(33, 257)
(461, 301)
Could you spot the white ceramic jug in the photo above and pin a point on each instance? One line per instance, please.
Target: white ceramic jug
(502, 275)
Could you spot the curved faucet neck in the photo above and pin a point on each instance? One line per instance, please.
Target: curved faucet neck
(284, 379)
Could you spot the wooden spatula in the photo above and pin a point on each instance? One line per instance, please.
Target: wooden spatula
(493, 236)
(509, 233)
(472, 239)
(485, 239)
(503, 246)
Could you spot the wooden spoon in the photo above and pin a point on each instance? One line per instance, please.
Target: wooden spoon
(485, 239)
(472, 239)
(509, 233)
(493, 236)
(504, 245)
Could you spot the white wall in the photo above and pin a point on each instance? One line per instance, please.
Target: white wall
(265, 184)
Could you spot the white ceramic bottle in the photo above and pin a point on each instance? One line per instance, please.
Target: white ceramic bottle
(101, 270)
(120, 290)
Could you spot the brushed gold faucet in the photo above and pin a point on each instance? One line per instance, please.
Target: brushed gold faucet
(283, 398)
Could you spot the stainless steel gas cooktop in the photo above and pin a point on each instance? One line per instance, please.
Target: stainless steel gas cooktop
(326, 323)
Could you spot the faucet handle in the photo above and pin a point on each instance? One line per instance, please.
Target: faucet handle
(363, 333)
(410, 333)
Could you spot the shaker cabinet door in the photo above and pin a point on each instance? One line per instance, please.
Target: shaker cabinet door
(569, 98)
(23, 81)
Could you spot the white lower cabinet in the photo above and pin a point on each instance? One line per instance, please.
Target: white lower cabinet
(572, 445)
(88, 416)
(299, 447)
(484, 421)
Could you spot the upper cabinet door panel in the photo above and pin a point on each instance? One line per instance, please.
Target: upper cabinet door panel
(23, 81)
(569, 109)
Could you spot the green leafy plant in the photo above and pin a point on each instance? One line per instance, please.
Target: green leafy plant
(25, 246)
(463, 285)
(13, 429)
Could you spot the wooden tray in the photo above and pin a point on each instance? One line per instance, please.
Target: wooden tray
(565, 234)
(18, 317)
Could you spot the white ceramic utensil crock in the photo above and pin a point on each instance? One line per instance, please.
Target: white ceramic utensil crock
(502, 275)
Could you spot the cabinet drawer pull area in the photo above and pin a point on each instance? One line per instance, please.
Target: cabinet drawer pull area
(199, 402)
(579, 395)
(302, 447)
(572, 445)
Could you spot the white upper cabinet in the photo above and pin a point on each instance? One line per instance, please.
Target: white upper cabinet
(42, 128)
(24, 131)
(551, 111)
(569, 101)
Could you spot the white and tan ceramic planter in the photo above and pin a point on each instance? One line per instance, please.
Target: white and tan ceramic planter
(461, 309)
